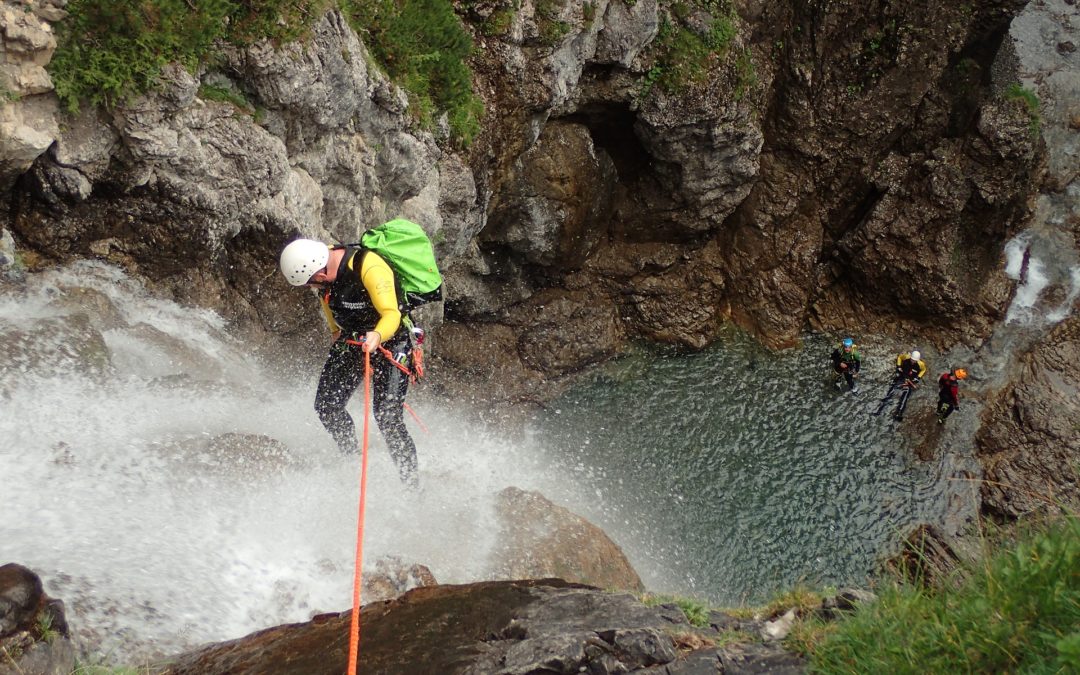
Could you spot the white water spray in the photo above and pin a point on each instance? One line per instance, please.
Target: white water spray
(1039, 261)
(157, 544)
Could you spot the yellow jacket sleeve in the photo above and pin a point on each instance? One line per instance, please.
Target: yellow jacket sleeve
(378, 279)
(922, 369)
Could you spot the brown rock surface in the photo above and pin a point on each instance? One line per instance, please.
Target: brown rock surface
(539, 539)
(1029, 443)
(446, 629)
(835, 163)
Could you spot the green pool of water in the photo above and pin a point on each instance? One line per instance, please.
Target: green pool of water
(735, 472)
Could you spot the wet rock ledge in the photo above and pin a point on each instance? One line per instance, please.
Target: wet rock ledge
(507, 627)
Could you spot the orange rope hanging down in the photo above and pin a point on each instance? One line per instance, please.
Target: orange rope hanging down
(354, 631)
(416, 417)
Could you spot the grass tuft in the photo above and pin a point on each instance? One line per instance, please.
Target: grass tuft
(1019, 611)
(696, 612)
(1017, 92)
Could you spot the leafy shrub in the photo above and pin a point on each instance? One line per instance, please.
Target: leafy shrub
(110, 50)
(682, 56)
(282, 21)
(423, 46)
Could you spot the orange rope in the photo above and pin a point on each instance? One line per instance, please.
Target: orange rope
(354, 631)
(415, 417)
(391, 359)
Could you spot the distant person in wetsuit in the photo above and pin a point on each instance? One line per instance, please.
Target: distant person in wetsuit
(910, 369)
(949, 393)
(846, 362)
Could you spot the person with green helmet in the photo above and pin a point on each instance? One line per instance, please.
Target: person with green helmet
(358, 293)
(846, 363)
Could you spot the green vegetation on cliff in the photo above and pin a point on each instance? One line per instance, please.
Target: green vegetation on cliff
(423, 47)
(111, 50)
(1017, 611)
(1017, 92)
(684, 50)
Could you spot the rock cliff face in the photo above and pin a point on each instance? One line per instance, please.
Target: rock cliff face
(835, 164)
(1029, 437)
(836, 160)
(1030, 440)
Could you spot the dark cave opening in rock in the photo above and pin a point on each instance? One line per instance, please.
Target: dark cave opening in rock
(612, 130)
(642, 204)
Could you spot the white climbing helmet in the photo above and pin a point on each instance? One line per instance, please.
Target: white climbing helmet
(914, 355)
(302, 258)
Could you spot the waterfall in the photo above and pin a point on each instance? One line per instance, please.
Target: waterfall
(172, 492)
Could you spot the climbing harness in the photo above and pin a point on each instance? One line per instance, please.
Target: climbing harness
(417, 372)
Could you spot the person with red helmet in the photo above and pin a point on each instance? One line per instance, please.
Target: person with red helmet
(949, 393)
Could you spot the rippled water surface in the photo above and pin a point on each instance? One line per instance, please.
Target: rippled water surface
(736, 472)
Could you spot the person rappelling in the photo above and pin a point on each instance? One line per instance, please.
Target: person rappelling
(846, 363)
(910, 369)
(359, 296)
(949, 393)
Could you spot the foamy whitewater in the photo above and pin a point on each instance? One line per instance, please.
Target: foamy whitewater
(156, 546)
(1038, 259)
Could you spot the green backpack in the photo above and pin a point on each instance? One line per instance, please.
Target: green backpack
(406, 248)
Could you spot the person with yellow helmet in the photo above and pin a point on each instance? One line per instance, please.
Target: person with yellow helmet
(949, 393)
(910, 369)
(359, 296)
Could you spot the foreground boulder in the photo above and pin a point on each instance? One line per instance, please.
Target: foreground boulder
(539, 539)
(540, 626)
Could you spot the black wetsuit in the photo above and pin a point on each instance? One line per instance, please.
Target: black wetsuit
(948, 395)
(851, 359)
(354, 312)
(906, 378)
